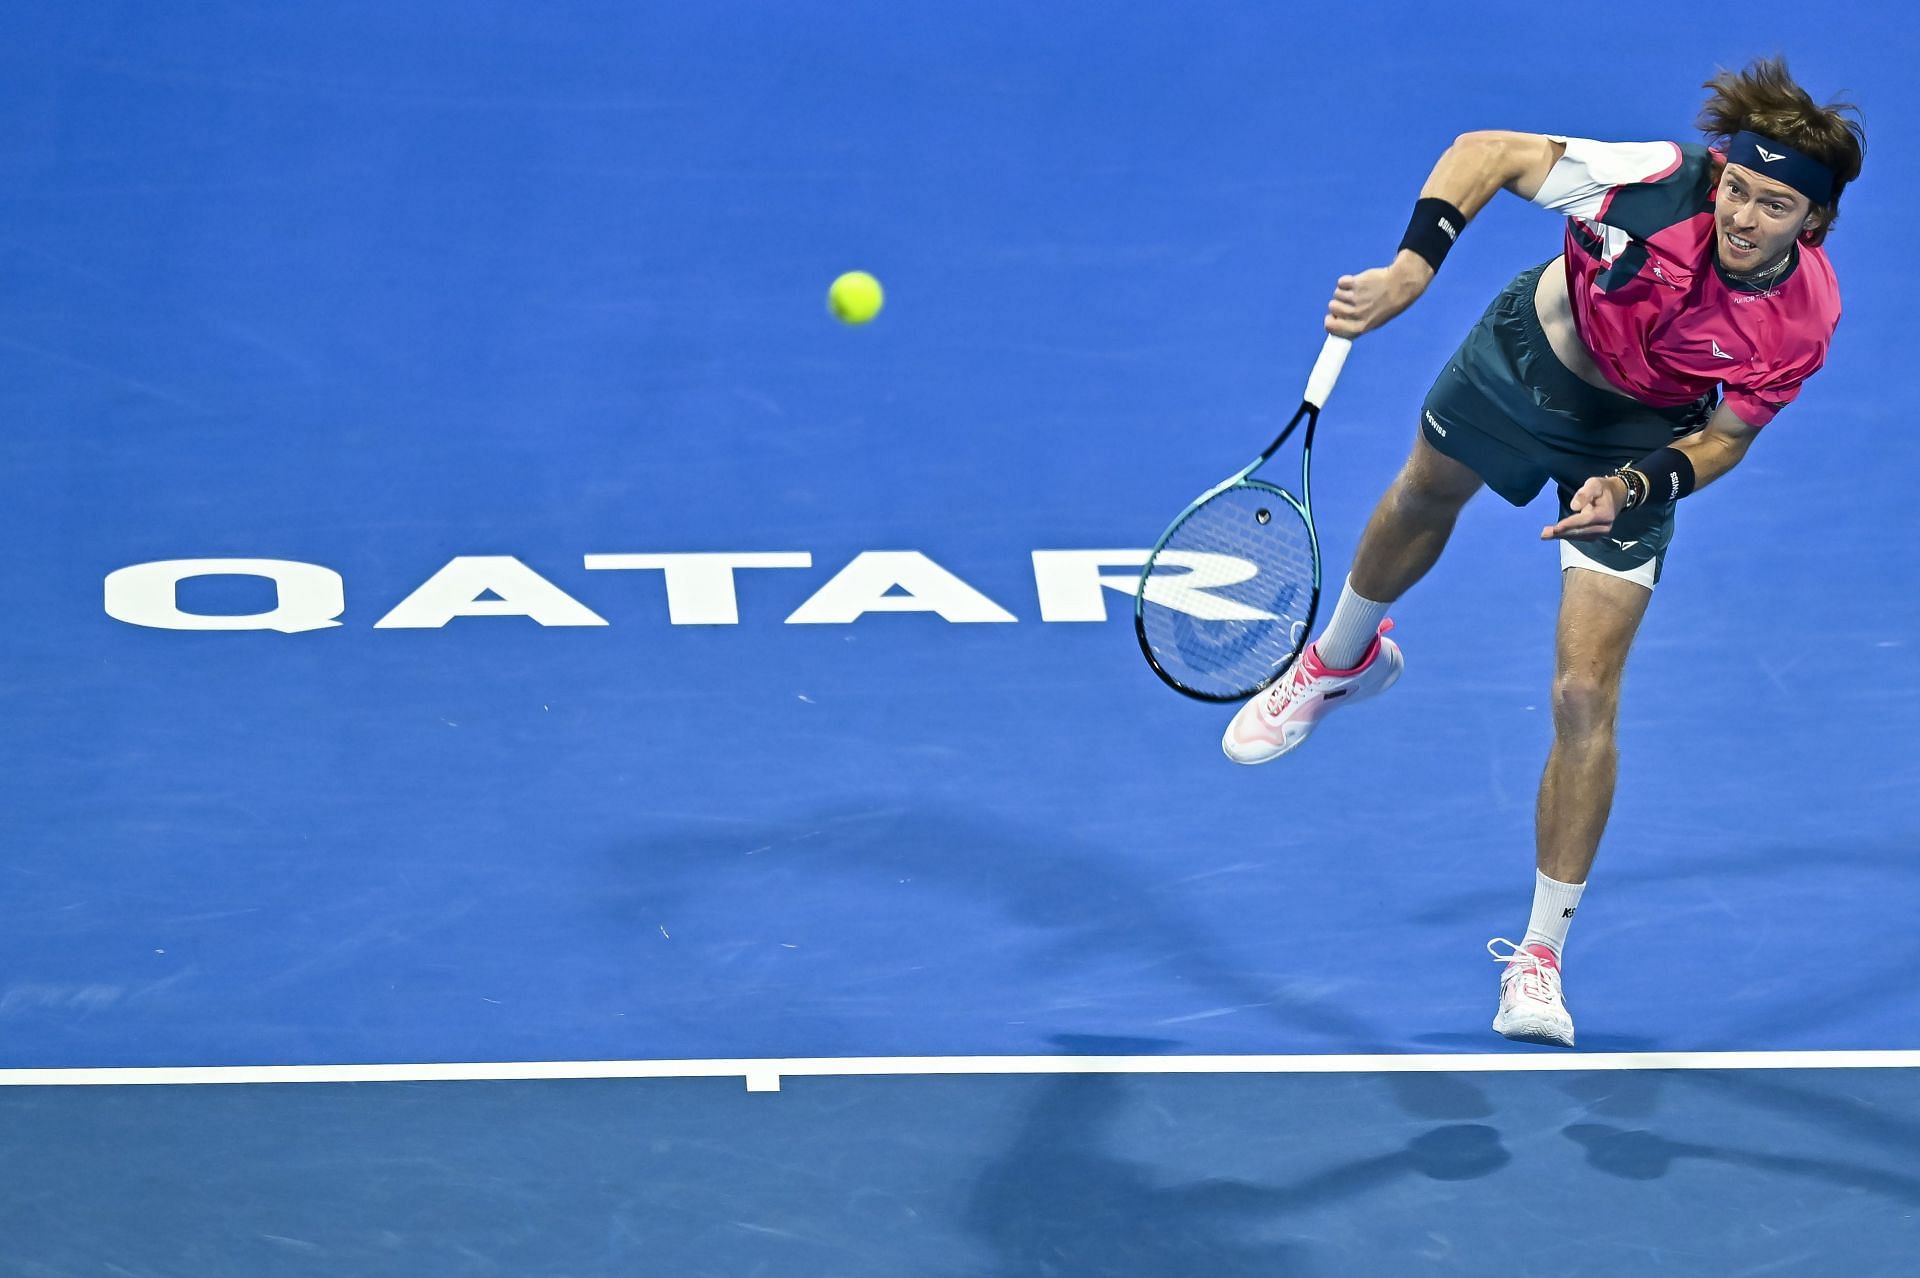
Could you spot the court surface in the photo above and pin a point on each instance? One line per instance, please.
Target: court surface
(597, 664)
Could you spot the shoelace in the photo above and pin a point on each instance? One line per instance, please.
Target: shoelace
(1299, 681)
(1531, 968)
(1296, 682)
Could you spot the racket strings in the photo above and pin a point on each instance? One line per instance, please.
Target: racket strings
(1227, 599)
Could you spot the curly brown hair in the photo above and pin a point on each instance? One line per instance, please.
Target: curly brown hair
(1764, 99)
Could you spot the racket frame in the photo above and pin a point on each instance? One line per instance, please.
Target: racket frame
(1326, 371)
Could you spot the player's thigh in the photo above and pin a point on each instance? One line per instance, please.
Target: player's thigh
(1600, 612)
(1431, 478)
(1440, 474)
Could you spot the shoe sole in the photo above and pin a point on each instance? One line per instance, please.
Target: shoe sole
(1525, 1031)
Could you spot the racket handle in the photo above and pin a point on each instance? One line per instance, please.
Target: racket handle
(1326, 370)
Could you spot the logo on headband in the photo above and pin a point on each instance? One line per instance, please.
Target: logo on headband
(1797, 169)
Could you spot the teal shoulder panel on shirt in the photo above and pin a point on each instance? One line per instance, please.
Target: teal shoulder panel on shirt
(1644, 209)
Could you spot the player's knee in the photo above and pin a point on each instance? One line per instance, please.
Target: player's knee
(1427, 506)
(1585, 704)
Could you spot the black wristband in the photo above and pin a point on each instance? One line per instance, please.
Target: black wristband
(1669, 474)
(1435, 226)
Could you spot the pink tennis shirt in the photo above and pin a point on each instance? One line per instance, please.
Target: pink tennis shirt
(1664, 322)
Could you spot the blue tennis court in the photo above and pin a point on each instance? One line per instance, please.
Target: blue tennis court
(474, 611)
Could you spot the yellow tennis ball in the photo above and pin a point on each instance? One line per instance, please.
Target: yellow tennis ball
(855, 298)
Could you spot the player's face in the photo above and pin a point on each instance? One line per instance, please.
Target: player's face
(1757, 220)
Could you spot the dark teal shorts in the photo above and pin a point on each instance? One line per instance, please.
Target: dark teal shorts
(1506, 407)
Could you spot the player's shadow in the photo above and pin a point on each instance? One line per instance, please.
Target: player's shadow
(1622, 1095)
(1066, 916)
(1635, 1097)
(1856, 1121)
(1059, 1200)
(1626, 1109)
(1643, 1155)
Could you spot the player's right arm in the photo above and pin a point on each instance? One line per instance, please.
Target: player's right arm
(1467, 175)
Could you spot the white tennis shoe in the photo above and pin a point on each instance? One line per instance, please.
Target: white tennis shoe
(1280, 718)
(1533, 1008)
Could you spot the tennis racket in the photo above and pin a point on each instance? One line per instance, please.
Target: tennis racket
(1228, 596)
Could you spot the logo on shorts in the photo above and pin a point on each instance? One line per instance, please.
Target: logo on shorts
(1624, 545)
(1434, 422)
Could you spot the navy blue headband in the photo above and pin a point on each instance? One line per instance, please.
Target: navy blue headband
(1781, 163)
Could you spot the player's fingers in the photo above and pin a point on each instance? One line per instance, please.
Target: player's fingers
(1583, 522)
(1577, 520)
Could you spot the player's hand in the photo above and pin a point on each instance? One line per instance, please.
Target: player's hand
(1594, 508)
(1363, 302)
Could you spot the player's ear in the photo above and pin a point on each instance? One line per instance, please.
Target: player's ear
(1810, 226)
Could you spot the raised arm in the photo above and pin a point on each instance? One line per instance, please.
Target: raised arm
(1467, 175)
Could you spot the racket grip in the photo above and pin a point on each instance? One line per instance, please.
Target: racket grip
(1326, 370)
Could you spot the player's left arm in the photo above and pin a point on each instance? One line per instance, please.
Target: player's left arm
(1717, 447)
(1713, 450)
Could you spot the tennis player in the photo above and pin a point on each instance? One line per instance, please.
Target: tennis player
(1689, 304)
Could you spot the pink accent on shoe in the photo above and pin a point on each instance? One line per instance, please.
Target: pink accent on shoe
(1527, 978)
(1544, 953)
(1316, 667)
(1276, 721)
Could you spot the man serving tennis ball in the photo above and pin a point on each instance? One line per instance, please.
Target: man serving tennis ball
(1687, 269)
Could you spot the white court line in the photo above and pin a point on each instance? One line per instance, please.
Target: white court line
(765, 1075)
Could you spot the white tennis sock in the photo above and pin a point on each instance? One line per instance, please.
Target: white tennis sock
(1553, 905)
(1355, 622)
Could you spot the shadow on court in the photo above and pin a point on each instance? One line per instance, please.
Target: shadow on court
(902, 894)
(1057, 1200)
(937, 922)
(1633, 1114)
(1644, 1155)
